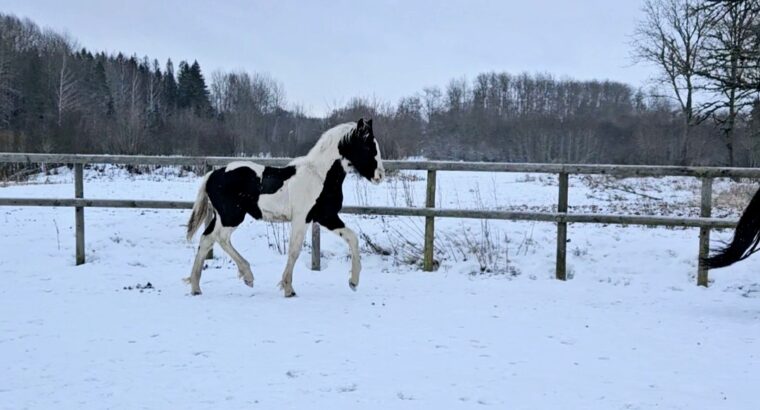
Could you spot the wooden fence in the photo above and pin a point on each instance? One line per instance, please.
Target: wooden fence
(562, 217)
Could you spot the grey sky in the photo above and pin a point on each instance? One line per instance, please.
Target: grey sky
(326, 52)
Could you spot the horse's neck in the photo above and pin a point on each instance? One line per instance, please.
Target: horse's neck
(321, 162)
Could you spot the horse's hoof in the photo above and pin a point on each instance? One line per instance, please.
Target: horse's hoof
(352, 285)
(195, 293)
(291, 295)
(248, 283)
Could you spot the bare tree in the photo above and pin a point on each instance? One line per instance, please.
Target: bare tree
(154, 87)
(730, 62)
(672, 37)
(67, 95)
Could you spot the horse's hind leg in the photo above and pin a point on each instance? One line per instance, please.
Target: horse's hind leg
(207, 241)
(244, 268)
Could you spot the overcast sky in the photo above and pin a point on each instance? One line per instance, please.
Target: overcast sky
(326, 52)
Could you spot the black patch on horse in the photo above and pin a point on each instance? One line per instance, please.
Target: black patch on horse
(274, 178)
(330, 200)
(236, 193)
(210, 227)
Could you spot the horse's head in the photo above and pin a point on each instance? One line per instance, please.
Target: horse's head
(362, 152)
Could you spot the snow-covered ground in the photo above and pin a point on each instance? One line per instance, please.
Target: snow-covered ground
(631, 330)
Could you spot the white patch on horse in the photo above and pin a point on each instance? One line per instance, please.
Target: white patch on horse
(380, 171)
(277, 207)
(257, 168)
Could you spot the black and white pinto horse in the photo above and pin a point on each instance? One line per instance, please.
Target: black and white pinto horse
(308, 189)
(746, 239)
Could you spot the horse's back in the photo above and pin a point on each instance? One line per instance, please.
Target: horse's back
(273, 178)
(257, 168)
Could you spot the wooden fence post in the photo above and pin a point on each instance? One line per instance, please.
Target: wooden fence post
(429, 223)
(79, 212)
(704, 233)
(209, 217)
(561, 273)
(316, 260)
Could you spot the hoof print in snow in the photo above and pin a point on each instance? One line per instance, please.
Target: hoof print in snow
(403, 396)
(347, 389)
(292, 374)
(142, 288)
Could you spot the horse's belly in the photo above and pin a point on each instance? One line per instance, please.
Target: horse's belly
(275, 207)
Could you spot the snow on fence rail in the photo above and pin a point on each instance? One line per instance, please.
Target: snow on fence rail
(430, 212)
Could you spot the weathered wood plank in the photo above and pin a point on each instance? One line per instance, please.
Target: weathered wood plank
(316, 247)
(591, 169)
(429, 246)
(133, 159)
(561, 265)
(704, 232)
(714, 223)
(603, 169)
(79, 213)
(97, 203)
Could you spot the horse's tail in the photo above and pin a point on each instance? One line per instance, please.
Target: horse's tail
(746, 238)
(200, 209)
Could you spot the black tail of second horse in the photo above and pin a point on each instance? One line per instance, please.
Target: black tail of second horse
(745, 241)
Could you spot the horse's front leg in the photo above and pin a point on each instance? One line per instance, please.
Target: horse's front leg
(297, 233)
(336, 226)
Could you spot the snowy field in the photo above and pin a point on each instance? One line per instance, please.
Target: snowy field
(489, 329)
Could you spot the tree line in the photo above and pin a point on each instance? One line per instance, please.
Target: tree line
(58, 97)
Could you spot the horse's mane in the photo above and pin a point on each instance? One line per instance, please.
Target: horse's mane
(329, 140)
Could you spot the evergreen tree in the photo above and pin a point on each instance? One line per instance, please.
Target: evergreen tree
(184, 86)
(192, 92)
(169, 88)
(97, 95)
(36, 99)
(104, 99)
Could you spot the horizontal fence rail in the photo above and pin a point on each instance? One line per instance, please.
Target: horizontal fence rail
(430, 212)
(715, 223)
(592, 169)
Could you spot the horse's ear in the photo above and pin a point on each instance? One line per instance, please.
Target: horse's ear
(369, 123)
(360, 123)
